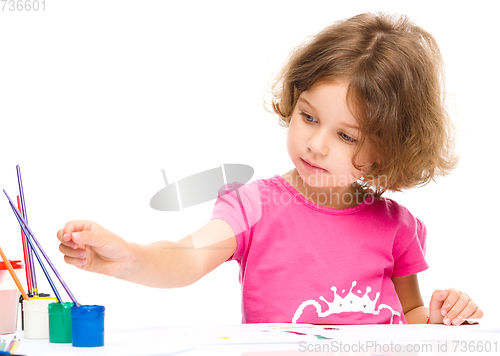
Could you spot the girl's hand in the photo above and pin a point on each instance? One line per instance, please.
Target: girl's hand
(91, 247)
(450, 307)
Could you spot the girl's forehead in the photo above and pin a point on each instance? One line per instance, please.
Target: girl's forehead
(326, 93)
(328, 85)
(326, 97)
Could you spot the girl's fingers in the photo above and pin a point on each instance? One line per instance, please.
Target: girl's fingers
(64, 238)
(69, 244)
(71, 252)
(76, 226)
(461, 302)
(77, 262)
(60, 235)
(469, 310)
(454, 307)
(436, 304)
(70, 227)
(64, 235)
(449, 302)
(478, 314)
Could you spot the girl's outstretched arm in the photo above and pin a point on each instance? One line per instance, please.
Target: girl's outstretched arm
(162, 264)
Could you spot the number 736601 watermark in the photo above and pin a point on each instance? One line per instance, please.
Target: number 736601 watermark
(22, 5)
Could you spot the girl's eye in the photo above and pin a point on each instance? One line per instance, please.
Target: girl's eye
(308, 118)
(347, 138)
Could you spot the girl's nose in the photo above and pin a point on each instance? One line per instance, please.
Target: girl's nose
(318, 142)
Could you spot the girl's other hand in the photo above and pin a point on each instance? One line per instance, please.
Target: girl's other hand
(91, 247)
(451, 307)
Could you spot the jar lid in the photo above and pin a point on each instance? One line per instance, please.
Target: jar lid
(59, 307)
(86, 311)
(37, 305)
(15, 265)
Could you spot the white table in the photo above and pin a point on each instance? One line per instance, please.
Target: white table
(283, 339)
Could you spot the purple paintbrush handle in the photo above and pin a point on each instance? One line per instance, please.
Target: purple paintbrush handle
(43, 252)
(28, 240)
(21, 192)
(25, 215)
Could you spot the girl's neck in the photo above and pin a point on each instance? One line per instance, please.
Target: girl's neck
(331, 197)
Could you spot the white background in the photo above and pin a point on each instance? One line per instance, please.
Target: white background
(96, 97)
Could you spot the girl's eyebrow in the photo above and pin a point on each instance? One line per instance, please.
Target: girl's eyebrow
(350, 126)
(342, 123)
(305, 101)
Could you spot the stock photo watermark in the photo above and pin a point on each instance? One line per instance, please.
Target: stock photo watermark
(213, 183)
(22, 5)
(477, 346)
(228, 184)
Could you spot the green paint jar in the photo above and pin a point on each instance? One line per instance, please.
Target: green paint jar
(60, 322)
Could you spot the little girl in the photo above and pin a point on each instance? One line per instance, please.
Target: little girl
(363, 105)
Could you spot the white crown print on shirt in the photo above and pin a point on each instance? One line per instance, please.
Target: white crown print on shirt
(350, 303)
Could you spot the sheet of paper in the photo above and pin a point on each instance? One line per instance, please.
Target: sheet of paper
(237, 334)
(290, 333)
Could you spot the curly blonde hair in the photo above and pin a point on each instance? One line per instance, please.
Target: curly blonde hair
(396, 93)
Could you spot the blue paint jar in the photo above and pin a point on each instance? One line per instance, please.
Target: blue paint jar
(87, 325)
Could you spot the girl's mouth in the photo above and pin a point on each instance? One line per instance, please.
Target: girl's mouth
(312, 168)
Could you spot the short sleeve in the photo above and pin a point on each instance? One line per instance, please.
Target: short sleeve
(240, 207)
(409, 249)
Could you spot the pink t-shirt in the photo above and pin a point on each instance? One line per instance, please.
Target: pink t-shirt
(304, 263)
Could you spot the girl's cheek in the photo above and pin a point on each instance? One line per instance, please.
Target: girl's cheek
(289, 146)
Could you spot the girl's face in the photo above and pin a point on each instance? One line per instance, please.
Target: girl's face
(322, 137)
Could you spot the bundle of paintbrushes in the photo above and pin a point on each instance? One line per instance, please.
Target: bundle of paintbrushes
(46, 317)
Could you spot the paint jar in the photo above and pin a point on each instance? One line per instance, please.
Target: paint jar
(87, 325)
(60, 322)
(30, 295)
(36, 318)
(8, 294)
